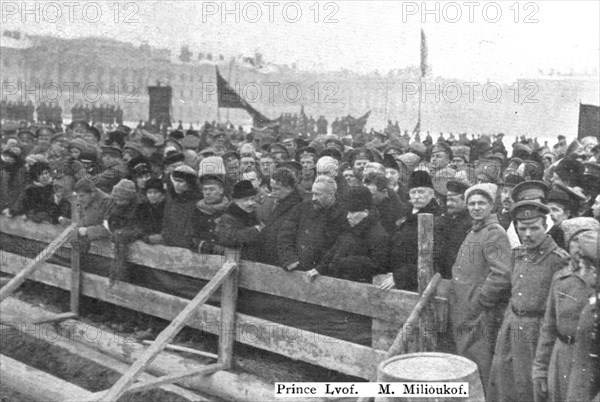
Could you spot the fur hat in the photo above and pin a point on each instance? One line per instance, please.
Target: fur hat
(243, 189)
(211, 165)
(186, 173)
(461, 151)
(132, 146)
(154, 183)
(569, 170)
(488, 190)
(359, 198)
(457, 186)
(574, 226)
(410, 160)
(420, 179)
(173, 157)
(123, 191)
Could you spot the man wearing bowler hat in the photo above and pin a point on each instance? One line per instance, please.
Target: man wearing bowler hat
(239, 227)
(534, 263)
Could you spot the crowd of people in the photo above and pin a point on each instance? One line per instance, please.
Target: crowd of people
(516, 234)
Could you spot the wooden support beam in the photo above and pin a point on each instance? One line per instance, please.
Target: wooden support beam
(176, 377)
(75, 263)
(57, 318)
(39, 260)
(93, 355)
(427, 327)
(36, 384)
(228, 331)
(177, 348)
(325, 351)
(400, 344)
(223, 384)
(167, 335)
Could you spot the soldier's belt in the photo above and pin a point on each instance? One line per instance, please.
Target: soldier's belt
(529, 314)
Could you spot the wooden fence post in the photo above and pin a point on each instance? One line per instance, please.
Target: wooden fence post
(428, 330)
(75, 262)
(229, 295)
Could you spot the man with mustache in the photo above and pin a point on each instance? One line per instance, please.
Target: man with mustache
(534, 264)
(312, 228)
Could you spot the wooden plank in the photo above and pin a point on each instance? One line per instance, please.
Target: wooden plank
(75, 263)
(321, 350)
(223, 384)
(37, 384)
(229, 297)
(94, 355)
(353, 297)
(176, 348)
(167, 335)
(58, 318)
(427, 327)
(39, 260)
(176, 377)
(400, 344)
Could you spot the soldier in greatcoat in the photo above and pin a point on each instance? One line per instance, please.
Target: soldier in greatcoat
(534, 264)
(571, 288)
(584, 381)
(480, 281)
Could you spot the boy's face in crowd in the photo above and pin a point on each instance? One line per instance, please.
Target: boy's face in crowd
(393, 176)
(84, 198)
(75, 152)
(141, 180)
(213, 193)
(180, 185)
(247, 204)
(154, 196)
(45, 178)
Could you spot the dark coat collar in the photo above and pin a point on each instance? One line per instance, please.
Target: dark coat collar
(249, 219)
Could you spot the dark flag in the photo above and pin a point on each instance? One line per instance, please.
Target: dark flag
(423, 54)
(589, 121)
(417, 129)
(228, 98)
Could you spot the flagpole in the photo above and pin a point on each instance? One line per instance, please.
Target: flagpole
(420, 99)
(229, 79)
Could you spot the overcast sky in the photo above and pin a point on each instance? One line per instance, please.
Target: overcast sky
(362, 35)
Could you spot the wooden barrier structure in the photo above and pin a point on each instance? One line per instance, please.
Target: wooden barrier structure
(390, 308)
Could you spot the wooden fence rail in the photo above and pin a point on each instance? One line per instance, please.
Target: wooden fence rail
(391, 307)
